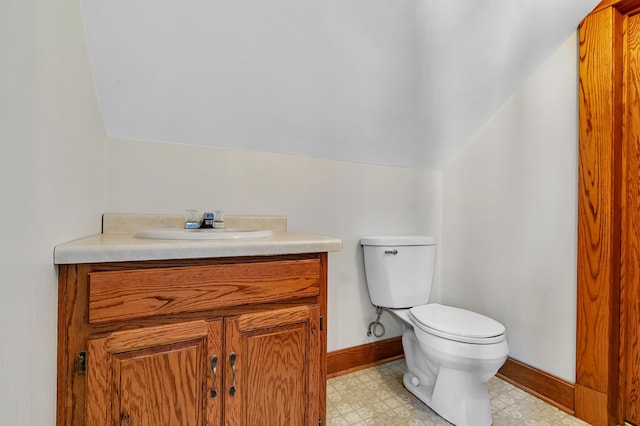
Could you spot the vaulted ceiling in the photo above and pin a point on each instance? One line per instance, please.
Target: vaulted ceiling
(395, 82)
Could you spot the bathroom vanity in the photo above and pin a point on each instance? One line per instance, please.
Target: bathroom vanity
(224, 332)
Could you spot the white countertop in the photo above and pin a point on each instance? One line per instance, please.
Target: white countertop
(125, 247)
(118, 242)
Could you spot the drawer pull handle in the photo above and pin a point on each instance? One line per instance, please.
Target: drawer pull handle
(232, 361)
(214, 365)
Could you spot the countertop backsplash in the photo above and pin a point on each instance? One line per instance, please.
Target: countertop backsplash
(129, 223)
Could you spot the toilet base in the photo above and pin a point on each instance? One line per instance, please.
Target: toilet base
(456, 397)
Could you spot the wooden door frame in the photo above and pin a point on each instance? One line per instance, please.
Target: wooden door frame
(600, 338)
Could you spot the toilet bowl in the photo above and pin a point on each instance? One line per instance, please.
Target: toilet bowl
(449, 372)
(450, 352)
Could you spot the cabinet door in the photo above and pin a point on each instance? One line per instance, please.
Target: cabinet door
(154, 376)
(272, 368)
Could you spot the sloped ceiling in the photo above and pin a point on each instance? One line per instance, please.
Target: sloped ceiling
(394, 82)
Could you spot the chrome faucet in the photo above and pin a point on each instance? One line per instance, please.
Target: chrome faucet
(208, 220)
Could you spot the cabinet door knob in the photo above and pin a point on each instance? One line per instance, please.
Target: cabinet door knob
(232, 361)
(214, 364)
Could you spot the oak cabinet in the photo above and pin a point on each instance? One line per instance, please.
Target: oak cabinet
(277, 374)
(199, 342)
(152, 375)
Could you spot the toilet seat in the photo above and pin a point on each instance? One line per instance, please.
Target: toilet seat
(457, 324)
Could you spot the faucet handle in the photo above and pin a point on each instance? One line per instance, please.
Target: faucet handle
(191, 219)
(207, 220)
(219, 219)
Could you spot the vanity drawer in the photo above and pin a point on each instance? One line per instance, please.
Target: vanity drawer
(141, 293)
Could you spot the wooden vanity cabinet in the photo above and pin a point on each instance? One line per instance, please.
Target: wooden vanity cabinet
(223, 341)
(152, 375)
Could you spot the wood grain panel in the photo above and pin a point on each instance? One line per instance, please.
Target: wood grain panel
(160, 387)
(271, 383)
(630, 280)
(597, 257)
(321, 335)
(275, 370)
(214, 410)
(599, 214)
(154, 375)
(99, 384)
(261, 320)
(316, 386)
(122, 295)
(146, 337)
(73, 331)
(592, 406)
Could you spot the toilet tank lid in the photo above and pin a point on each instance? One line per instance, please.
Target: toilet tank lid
(398, 240)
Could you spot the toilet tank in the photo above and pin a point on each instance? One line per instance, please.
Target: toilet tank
(399, 269)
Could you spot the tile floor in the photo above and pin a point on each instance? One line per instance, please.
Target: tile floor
(375, 396)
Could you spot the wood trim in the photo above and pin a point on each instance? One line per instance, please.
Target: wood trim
(358, 357)
(73, 332)
(545, 386)
(623, 6)
(592, 405)
(322, 300)
(597, 257)
(599, 214)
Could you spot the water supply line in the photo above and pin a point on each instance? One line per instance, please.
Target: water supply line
(373, 327)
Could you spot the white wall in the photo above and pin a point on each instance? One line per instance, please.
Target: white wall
(395, 82)
(337, 79)
(51, 181)
(509, 218)
(341, 199)
(512, 188)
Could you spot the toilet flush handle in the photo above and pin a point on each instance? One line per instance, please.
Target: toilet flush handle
(393, 252)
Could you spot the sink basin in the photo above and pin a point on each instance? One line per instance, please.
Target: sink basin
(202, 234)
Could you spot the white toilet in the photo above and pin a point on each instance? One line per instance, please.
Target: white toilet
(450, 353)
